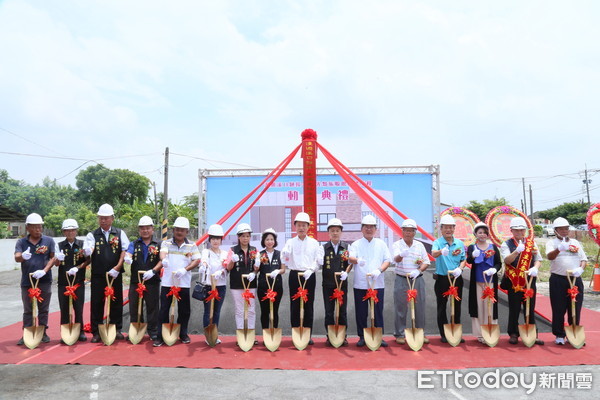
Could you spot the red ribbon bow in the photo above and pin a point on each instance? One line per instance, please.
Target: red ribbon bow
(35, 293)
(270, 295)
(70, 291)
(338, 294)
(488, 293)
(371, 294)
(213, 294)
(527, 294)
(452, 291)
(247, 295)
(411, 294)
(174, 292)
(573, 292)
(301, 293)
(109, 292)
(87, 327)
(141, 288)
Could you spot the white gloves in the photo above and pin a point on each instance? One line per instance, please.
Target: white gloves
(113, 273)
(180, 272)
(375, 274)
(456, 272)
(165, 262)
(414, 274)
(563, 246)
(343, 276)
(148, 274)
(404, 253)
(26, 254)
(532, 271)
(577, 272)
(128, 259)
(445, 251)
(274, 274)
(308, 273)
(520, 247)
(476, 252)
(235, 258)
(38, 274)
(218, 273)
(73, 271)
(87, 251)
(490, 271)
(251, 276)
(361, 262)
(60, 256)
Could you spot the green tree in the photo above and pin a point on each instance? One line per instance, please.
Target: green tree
(574, 212)
(481, 209)
(98, 184)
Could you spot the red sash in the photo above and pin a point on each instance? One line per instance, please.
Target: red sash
(517, 274)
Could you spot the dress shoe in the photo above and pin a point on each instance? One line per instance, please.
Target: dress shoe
(360, 343)
(328, 343)
(462, 340)
(539, 342)
(21, 342)
(310, 342)
(119, 336)
(513, 339)
(82, 337)
(400, 340)
(95, 338)
(345, 344)
(185, 339)
(45, 338)
(444, 340)
(384, 343)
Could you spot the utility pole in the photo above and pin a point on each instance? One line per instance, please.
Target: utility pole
(524, 197)
(587, 185)
(165, 222)
(156, 203)
(531, 204)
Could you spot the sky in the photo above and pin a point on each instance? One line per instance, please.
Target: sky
(491, 91)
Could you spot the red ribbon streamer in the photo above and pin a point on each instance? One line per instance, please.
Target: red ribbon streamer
(452, 291)
(174, 292)
(141, 288)
(573, 292)
(247, 295)
(488, 293)
(338, 294)
(411, 294)
(213, 294)
(35, 293)
(527, 294)
(270, 295)
(371, 294)
(301, 293)
(109, 292)
(70, 291)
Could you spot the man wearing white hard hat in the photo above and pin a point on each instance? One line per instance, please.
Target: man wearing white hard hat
(521, 260)
(449, 254)
(106, 246)
(411, 260)
(71, 260)
(143, 255)
(302, 254)
(370, 256)
(565, 254)
(35, 252)
(179, 257)
(336, 261)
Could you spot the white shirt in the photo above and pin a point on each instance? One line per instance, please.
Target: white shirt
(505, 252)
(215, 263)
(375, 253)
(303, 254)
(408, 263)
(565, 260)
(179, 257)
(90, 241)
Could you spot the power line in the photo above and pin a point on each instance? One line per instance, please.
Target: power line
(29, 140)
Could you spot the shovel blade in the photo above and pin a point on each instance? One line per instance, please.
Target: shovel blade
(373, 337)
(108, 333)
(32, 336)
(212, 334)
(575, 335)
(490, 334)
(69, 333)
(453, 333)
(300, 337)
(336, 335)
(272, 338)
(170, 333)
(245, 338)
(137, 330)
(528, 333)
(414, 338)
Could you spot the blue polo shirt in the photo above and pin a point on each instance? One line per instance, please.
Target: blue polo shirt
(40, 255)
(131, 248)
(443, 264)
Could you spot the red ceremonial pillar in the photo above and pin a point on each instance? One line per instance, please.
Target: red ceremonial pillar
(309, 155)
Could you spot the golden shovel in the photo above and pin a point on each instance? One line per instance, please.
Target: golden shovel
(69, 333)
(137, 330)
(245, 337)
(108, 332)
(32, 335)
(575, 333)
(452, 331)
(527, 331)
(272, 336)
(170, 331)
(490, 332)
(211, 332)
(415, 337)
(300, 334)
(373, 335)
(337, 333)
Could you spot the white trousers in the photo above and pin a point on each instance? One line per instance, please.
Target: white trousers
(239, 308)
(482, 311)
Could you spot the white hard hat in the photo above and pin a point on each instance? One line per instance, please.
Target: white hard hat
(243, 228)
(368, 220)
(335, 222)
(302, 217)
(447, 220)
(70, 223)
(560, 222)
(271, 231)
(34, 219)
(146, 221)
(215, 230)
(518, 223)
(181, 222)
(106, 210)
(409, 223)
(480, 225)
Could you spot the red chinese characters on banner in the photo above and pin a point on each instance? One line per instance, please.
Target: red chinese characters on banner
(309, 155)
(293, 195)
(343, 195)
(325, 195)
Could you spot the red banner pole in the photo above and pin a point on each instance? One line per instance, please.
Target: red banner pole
(309, 155)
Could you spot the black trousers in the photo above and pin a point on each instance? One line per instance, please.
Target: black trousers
(516, 304)
(560, 301)
(63, 302)
(295, 304)
(98, 284)
(265, 307)
(330, 306)
(362, 311)
(182, 310)
(442, 284)
(151, 302)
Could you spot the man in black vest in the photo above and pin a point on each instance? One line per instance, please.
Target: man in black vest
(107, 246)
(336, 260)
(143, 255)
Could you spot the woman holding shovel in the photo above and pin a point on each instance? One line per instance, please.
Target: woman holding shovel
(485, 261)
(272, 269)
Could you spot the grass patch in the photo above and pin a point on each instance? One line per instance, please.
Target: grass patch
(591, 250)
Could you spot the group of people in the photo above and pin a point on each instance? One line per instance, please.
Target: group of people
(253, 275)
